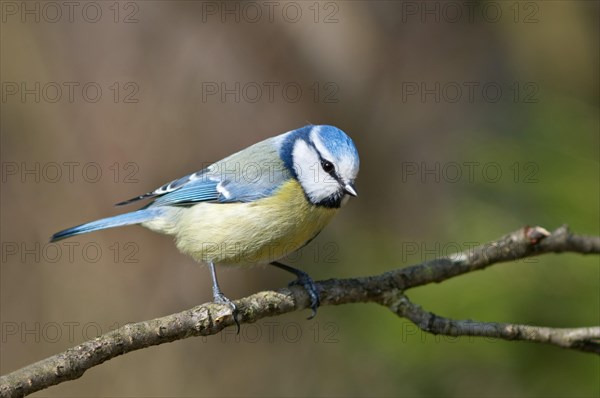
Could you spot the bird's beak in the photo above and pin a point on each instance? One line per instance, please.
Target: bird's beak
(350, 190)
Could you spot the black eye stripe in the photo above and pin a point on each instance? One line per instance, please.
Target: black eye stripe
(326, 165)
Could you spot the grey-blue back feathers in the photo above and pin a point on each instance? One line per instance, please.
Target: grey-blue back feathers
(254, 172)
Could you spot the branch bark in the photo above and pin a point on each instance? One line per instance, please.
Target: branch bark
(583, 339)
(386, 289)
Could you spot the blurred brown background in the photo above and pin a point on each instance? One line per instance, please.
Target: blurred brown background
(471, 119)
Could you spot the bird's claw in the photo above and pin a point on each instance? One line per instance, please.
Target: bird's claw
(308, 284)
(220, 298)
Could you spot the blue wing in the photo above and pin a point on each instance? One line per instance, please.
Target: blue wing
(166, 188)
(245, 176)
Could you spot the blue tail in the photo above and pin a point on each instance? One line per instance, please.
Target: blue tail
(135, 217)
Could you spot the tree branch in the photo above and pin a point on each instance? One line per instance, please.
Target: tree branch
(583, 339)
(386, 289)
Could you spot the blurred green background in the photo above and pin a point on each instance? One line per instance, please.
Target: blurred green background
(471, 120)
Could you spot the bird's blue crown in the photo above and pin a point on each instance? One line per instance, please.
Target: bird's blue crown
(334, 140)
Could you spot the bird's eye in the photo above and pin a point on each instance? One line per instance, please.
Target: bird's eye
(327, 166)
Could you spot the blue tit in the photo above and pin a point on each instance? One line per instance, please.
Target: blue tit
(255, 206)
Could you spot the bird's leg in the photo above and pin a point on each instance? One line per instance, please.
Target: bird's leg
(304, 280)
(220, 298)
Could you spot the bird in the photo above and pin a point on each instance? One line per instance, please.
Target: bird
(253, 207)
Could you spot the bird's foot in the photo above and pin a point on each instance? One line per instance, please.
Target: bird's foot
(308, 284)
(220, 298)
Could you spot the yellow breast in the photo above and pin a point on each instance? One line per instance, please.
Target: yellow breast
(250, 233)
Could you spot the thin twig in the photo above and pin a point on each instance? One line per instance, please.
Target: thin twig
(582, 339)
